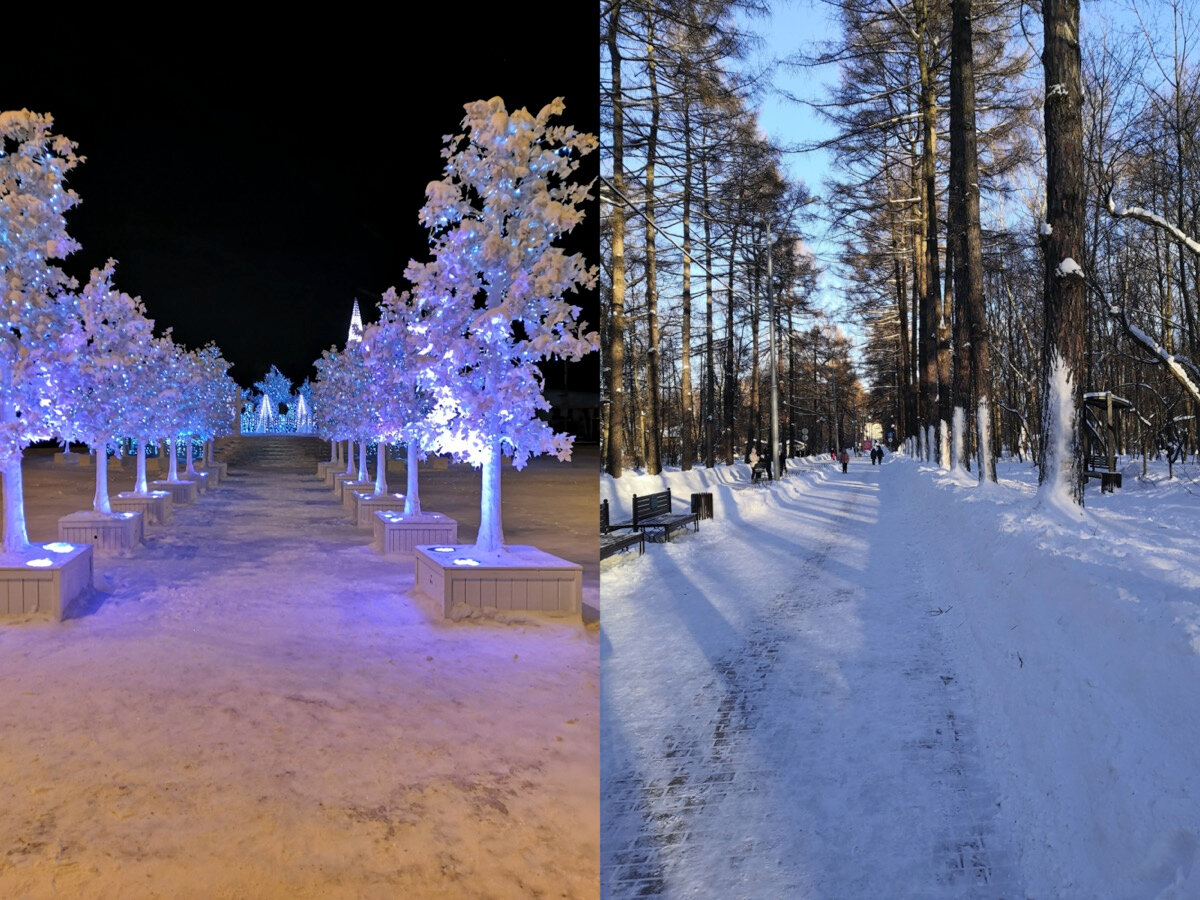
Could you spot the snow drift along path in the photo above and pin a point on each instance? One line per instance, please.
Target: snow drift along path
(780, 714)
(254, 705)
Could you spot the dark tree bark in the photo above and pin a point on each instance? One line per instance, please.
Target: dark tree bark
(616, 325)
(1063, 363)
(972, 336)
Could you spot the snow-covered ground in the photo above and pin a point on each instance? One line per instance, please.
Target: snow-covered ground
(253, 705)
(894, 683)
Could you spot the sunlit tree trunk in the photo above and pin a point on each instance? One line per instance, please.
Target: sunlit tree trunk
(1061, 469)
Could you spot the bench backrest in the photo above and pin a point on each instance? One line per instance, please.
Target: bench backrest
(649, 505)
(604, 517)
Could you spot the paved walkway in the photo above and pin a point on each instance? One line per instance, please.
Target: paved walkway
(780, 718)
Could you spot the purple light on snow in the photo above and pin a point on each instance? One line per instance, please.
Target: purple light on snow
(40, 563)
(466, 561)
(59, 547)
(442, 549)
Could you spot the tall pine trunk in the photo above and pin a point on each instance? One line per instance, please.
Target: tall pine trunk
(653, 386)
(973, 338)
(615, 449)
(1061, 457)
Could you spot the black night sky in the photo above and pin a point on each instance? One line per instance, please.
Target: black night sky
(252, 182)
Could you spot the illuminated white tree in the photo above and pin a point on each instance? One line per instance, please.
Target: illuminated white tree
(39, 332)
(495, 288)
(398, 352)
(116, 336)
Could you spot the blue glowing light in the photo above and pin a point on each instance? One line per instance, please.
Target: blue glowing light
(40, 563)
(59, 547)
(442, 549)
(466, 561)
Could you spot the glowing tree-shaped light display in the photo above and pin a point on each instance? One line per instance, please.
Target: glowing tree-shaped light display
(39, 333)
(495, 288)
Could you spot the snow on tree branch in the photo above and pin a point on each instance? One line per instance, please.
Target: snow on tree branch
(1144, 215)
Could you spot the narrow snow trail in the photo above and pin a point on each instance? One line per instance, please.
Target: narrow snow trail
(780, 716)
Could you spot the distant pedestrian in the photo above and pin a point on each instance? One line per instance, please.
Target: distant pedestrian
(844, 459)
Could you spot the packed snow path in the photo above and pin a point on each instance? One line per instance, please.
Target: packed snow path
(780, 715)
(254, 705)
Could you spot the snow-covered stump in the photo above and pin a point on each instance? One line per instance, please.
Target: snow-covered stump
(366, 505)
(45, 579)
(110, 534)
(181, 491)
(397, 532)
(348, 489)
(155, 507)
(464, 579)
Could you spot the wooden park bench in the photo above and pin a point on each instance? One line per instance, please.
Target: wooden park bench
(654, 511)
(610, 542)
(761, 468)
(1097, 467)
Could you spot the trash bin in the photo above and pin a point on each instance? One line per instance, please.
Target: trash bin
(703, 504)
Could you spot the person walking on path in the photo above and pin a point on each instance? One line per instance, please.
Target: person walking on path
(844, 459)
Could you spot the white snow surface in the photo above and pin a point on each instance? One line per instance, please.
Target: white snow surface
(255, 704)
(899, 683)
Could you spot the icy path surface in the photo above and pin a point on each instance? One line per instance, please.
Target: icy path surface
(255, 706)
(781, 718)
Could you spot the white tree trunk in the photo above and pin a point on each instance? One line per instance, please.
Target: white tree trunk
(412, 497)
(983, 439)
(491, 534)
(173, 458)
(189, 468)
(333, 448)
(100, 500)
(380, 467)
(944, 444)
(1060, 419)
(141, 486)
(349, 456)
(362, 461)
(958, 425)
(16, 538)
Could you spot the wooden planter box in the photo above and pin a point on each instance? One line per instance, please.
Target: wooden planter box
(115, 534)
(71, 459)
(181, 491)
(518, 578)
(367, 504)
(62, 573)
(155, 506)
(337, 479)
(201, 479)
(216, 468)
(396, 532)
(349, 488)
(324, 469)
